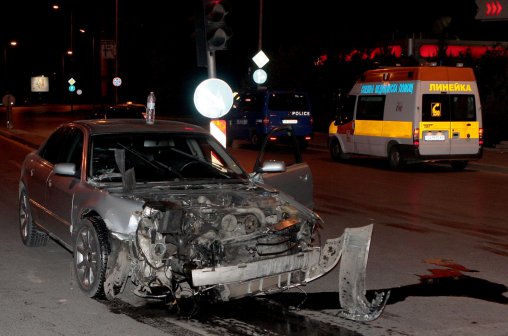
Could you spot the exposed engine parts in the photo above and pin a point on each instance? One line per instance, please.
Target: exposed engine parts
(228, 244)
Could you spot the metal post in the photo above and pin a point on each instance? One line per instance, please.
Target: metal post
(6, 69)
(72, 54)
(260, 41)
(212, 72)
(116, 49)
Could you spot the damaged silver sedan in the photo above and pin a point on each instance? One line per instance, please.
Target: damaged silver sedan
(166, 207)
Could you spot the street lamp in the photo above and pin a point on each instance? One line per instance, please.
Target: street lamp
(93, 64)
(12, 44)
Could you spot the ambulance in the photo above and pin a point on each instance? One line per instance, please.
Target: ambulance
(411, 115)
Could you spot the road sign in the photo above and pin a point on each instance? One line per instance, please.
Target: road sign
(260, 59)
(213, 98)
(492, 10)
(259, 76)
(117, 81)
(8, 100)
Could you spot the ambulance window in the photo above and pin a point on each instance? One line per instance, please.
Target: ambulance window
(435, 107)
(370, 108)
(462, 108)
(346, 115)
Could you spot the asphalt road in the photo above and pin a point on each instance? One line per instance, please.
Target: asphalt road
(439, 246)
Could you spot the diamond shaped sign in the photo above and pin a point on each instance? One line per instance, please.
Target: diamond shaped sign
(260, 59)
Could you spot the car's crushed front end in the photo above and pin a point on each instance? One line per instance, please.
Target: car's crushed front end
(227, 241)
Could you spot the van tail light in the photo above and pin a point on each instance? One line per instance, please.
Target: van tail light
(480, 136)
(311, 120)
(308, 138)
(416, 137)
(266, 121)
(272, 138)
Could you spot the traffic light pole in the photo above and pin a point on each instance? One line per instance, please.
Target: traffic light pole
(212, 72)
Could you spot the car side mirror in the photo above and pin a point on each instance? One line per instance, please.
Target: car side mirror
(66, 169)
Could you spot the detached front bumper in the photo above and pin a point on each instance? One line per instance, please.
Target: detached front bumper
(281, 273)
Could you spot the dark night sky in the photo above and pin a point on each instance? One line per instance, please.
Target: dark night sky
(149, 30)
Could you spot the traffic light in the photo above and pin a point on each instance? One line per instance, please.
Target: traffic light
(217, 31)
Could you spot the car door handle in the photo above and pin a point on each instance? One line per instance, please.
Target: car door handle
(50, 183)
(32, 172)
(304, 177)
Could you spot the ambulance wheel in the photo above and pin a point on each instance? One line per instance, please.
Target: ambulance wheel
(458, 165)
(335, 150)
(395, 161)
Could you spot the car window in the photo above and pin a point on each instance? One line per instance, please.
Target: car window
(65, 145)
(161, 157)
(251, 102)
(287, 101)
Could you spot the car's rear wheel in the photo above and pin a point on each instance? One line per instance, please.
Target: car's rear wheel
(395, 160)
(91, 251)
(335, 150)
(30, 235)
(458, 165)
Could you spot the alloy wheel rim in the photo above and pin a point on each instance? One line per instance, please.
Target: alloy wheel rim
(86, 258)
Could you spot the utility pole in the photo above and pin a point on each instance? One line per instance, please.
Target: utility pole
(260, 41)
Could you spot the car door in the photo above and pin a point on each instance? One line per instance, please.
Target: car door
(297, 180)
(60, 189)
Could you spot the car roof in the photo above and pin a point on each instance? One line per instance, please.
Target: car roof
(106, 126)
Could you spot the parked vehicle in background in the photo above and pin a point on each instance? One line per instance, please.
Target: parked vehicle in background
(126, 110)
(168, 208)
(256, 112)
(410, 115)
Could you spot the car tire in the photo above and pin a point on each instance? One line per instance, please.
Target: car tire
(395, 160)
(458, 165)
(229, 140)
(30, 235)
(91, 252)
(255, 140)
(335, 150)
(303, 144)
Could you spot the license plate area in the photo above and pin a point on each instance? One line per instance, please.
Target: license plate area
(290, 121)
(434, 136)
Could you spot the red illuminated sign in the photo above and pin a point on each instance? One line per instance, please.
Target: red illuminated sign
(494, 10)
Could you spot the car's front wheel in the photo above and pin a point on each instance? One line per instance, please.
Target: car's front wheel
(91, 251)
(255, 140)
(335, 150)
(30, 235)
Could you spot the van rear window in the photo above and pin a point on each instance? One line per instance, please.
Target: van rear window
(288, 102)
(444, 107)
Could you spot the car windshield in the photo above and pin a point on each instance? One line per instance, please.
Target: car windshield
(156, 157)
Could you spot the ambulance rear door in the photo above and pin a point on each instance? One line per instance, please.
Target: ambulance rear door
(465, 117)
(435, 126)
(449, 124)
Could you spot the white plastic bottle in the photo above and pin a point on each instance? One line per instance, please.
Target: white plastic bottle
(150, 109)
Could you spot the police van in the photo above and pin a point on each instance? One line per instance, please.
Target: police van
(256, 112)
(410, 115)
